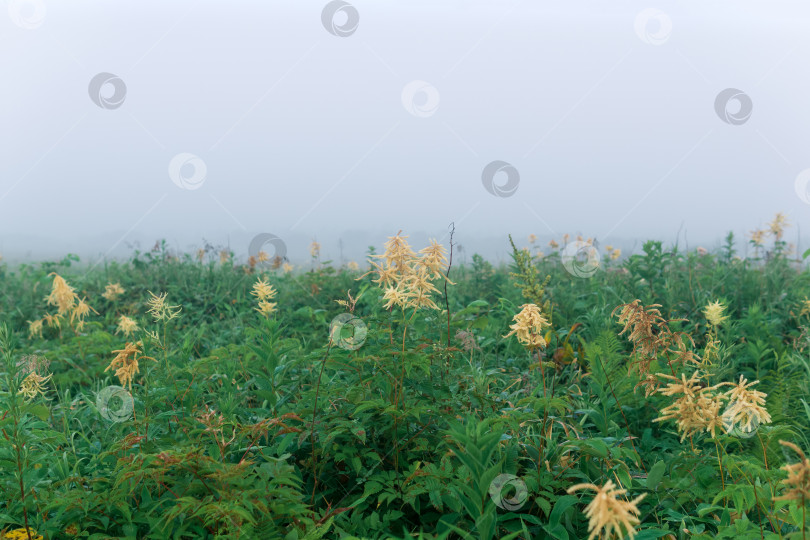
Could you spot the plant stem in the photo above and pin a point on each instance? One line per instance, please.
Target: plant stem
(312, 426)
(619, 403)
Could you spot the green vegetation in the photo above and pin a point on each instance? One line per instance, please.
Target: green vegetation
(510, 415)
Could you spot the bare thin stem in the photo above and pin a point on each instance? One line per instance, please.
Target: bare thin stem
(312, 426)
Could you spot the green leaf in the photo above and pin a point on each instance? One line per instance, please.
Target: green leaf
(563, 503)
(40, 411)
(650, 534)
(655, 474)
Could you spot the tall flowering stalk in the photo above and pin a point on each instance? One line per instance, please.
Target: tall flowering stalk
(264, 292)
(407, 279)
(609, 515)
(68, 306)
(797, 482)
(528, 328)
(126, 363)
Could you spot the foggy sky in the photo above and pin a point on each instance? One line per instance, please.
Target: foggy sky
(611, 126)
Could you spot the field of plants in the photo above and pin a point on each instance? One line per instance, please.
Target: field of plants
(660, 394)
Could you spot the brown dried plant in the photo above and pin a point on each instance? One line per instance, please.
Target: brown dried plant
(126, 363)
(651, 336)
(798, 480)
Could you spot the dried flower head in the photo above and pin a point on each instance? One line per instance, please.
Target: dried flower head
(266, 308)
(35, 328)
(407, 278)
(79, 312)
(777, 226)
(528, 327)
(287, 268)
(433, 258)
(714, 313)
(387, 275)
(649, 332)
(607, 514)
(34, 385)
(758, 238)
(112, 291)
(314, 249)
(353, 266)
(126, 363)
(351, 302)
(32, 363)
(798, 479)
(393, 296)
(263, 290)
(62, 295)
(51, 321)
(468, 341)
(746, 409)
(650, 383)
(160, 310)
(126, 325)
(697, 409)
(419, 288)
(681, 354)
(398, 253)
